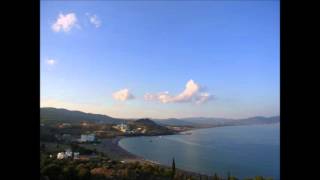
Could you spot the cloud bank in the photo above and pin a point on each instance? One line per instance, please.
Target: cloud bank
(65, 22)
(191, 93)
(122, 95)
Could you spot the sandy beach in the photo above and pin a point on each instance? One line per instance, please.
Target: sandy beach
(111, 148)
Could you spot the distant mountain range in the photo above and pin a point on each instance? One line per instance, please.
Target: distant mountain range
(49, 114)
(175, 122)
(201, 121)
(64, 115)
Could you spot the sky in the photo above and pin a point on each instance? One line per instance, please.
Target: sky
(161, 59)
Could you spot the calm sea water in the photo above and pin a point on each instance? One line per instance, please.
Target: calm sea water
(244, 151)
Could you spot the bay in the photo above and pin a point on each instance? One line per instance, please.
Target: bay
(244, 151)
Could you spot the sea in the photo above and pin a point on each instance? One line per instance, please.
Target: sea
(242, 151)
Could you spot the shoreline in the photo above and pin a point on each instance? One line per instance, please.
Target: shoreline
(119, 153)
(150, 162)
(190, 172)
(111, 147)
(130, 157)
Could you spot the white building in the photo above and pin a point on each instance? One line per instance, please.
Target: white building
(123, 127)
(68, 153)
(76, 155)
(87, 138)
(60, 155)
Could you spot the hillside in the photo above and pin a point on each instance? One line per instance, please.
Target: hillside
(63, 115)
(152, 127)
(257, 120)
(175, 122)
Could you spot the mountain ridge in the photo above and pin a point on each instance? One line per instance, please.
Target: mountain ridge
(75, 116)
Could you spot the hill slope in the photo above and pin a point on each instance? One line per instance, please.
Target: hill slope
(152, 127)
(64, 115)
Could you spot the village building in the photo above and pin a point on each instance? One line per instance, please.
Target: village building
(76, 155)
(60, 155)
(122, 127)
(64, 125)
(87, 138)
(68, 153)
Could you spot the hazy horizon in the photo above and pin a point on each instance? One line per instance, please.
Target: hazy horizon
(162, 118)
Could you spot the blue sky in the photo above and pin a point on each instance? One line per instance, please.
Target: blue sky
(161, 59)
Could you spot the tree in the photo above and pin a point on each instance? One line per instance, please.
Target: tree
(215, 176)
(228, 176)
(259, 178)
(83, 173)
(173, 168)
(69, 172)
(51, 170)
(233, 178)
(43, 147)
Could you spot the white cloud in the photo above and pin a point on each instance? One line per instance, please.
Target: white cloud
(203, 97)
(95, 21)
(191, 93)
(51, 61)
(65, 22)
(122, 95)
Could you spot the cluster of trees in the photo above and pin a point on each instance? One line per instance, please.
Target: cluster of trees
(104, 168)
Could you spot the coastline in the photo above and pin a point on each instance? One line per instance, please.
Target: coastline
(129, 157)
(134, 158)
(111, 147)
(140, 159)
(113, 150)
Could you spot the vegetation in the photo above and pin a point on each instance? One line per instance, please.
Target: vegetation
(173, 168)
(103, 168)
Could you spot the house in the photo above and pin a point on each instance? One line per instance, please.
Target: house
(84, 124)
(64, 125)
(60, 155)
(76, 155)
(122, 127)
(68, 153)
(87, 138)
